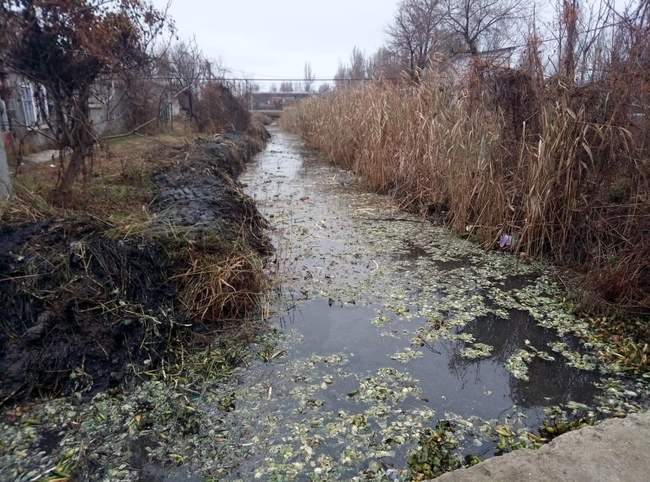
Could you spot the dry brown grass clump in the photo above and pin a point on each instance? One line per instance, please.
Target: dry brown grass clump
(215, 288)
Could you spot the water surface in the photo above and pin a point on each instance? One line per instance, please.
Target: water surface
(389, 325)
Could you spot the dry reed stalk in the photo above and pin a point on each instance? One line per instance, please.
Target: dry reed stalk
(436, 145)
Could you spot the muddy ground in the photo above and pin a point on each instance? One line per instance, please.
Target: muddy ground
(84, 302)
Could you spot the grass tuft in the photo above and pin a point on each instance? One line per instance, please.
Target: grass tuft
(214, 288)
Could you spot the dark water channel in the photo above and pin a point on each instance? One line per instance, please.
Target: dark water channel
(390, 324)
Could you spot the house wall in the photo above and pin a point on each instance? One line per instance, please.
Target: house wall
(5, 179)
(108, 109)
(23, 118)
(21, 121)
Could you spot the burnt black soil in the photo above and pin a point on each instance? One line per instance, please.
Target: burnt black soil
(82, 306)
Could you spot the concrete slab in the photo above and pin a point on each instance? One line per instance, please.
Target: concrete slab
(615, 450)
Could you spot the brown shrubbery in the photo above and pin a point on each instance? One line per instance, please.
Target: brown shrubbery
(561, 167)
(218, 110)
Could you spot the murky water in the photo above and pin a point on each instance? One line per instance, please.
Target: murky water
(389, 325)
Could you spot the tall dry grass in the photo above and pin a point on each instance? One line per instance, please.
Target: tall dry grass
(566, 180)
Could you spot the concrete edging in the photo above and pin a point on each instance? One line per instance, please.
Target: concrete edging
(614, 450)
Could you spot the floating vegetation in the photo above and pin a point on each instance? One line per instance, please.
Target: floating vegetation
(388, 385)
(517, 364)
(407, 355)
(435, 454)
(509, 439)
(477, 350)
(380, 320)
(561, 420)
(575, 359)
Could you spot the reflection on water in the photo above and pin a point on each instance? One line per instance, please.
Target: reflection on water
(481, 387)
(550, 381)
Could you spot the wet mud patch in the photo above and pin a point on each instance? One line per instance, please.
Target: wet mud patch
(49, 441)
(79, 306)
(202, 195)
(86, 304)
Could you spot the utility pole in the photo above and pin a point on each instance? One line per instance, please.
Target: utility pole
(5, 180)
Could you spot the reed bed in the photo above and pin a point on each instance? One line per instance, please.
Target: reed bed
(559, 171)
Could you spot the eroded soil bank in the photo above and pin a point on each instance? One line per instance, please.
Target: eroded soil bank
(398, 352)
(86, 303)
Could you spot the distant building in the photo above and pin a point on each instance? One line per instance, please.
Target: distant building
(24, 108)
(459, 64)
(276, 100)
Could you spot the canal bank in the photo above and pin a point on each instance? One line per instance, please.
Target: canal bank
(614, 451)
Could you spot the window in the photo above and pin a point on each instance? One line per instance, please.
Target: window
(4, 118)
(30, 114)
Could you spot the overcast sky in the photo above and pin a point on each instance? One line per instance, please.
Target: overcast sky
(274, 38)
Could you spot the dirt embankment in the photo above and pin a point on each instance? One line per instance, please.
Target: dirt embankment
(87, 302)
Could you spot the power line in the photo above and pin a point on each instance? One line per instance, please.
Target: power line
(253, 79)
(171, 78)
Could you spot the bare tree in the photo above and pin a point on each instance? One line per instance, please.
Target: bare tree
(353, 72)
(309, 77)
(415, 32)
(481, 22)
(286, 86)
(187, 66)
(324, 88)
(357, 64)
(581, 26)
(65, 48)
(384, 64)
(343, 76)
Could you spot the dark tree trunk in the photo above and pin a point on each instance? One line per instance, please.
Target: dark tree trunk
(81, 140)
(473, 49)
